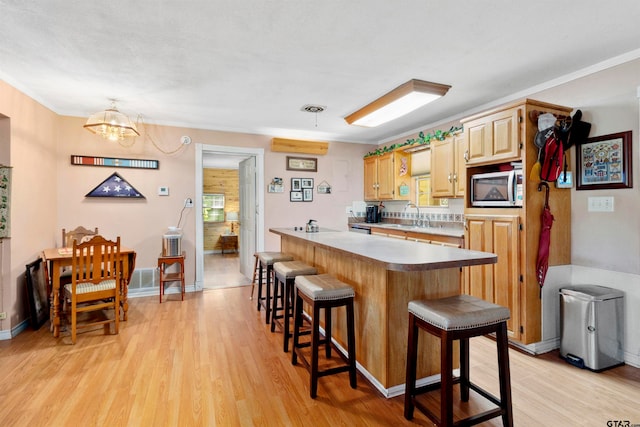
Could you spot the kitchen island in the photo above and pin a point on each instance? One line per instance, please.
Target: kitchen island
(386, 274)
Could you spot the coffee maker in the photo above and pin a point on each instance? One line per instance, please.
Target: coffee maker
(372, 214)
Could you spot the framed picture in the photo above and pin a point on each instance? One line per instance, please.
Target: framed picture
(307, 194)
(37, 293)
(302, 164)
(296, 184)
(307, 182)
(605, 162)
(295, 196)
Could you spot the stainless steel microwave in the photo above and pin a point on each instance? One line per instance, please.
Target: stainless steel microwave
(497, 189)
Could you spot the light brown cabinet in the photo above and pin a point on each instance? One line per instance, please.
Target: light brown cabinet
(493, 139)
(498, 283)
(448, 167)
(385, 174)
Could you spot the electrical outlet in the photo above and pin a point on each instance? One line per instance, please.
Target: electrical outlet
(188, 203)
(3, 315)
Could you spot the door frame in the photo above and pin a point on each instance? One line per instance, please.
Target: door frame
(258, 153)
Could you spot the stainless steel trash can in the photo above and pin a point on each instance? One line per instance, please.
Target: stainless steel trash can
(591, 326)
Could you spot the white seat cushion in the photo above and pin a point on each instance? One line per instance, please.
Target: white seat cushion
(84, 288)
(323, 287)
(459, 312)
(290, 269)
(268, 258)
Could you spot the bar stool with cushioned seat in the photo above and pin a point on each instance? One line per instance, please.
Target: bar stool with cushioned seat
(265, 265)
(323, 291)
(285, 274)
(458, 318)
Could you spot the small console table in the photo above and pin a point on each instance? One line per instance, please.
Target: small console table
(229, 241)
(165, 276)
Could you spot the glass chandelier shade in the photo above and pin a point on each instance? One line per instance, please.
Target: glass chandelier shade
(111, 124)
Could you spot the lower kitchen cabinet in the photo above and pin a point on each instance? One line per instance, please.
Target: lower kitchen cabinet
(500, 282)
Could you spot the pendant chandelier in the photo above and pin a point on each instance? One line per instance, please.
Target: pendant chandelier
(111, 124)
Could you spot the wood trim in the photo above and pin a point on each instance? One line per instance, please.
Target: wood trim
(299, 146)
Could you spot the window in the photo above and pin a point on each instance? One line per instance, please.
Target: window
(423, 193)
(213, 207)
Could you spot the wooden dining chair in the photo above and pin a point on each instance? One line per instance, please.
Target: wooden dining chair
(79, 234)
(95, 282)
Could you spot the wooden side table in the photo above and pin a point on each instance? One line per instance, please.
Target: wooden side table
(166, 261)
(229, 241)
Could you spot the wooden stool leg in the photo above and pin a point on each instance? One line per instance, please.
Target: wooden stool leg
(327, 331)
(315, 343)
(253, 279)
(351, 344)
(297, 324)
(278, 294)
(464, 369)
(267, 305)
(505, 374)
(288, 305)
(259, 283)
(412, 355)
(446, 376)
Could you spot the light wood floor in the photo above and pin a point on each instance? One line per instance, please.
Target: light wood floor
(223, 271)
(212, 361)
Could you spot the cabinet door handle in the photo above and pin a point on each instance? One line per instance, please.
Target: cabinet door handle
(466, 155)
(449, 178)
(455, 177)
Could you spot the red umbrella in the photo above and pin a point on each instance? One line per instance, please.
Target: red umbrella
(542, 265)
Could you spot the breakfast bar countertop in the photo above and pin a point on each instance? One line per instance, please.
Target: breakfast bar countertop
(394, 254)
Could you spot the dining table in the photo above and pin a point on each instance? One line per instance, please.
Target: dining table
(57, 259)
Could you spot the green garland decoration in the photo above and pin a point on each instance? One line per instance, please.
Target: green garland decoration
(422, 139)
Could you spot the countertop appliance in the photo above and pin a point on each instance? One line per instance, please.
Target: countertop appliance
(312, 227)
(372, 214)
(497, 189)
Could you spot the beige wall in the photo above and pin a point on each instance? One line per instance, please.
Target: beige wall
(28, 143)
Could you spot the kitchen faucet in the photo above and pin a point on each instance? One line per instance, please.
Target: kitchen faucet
(418, 221)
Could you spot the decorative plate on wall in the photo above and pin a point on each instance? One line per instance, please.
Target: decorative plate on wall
(115, 186)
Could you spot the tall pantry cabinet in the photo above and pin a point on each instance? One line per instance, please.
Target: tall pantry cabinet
(496, 139)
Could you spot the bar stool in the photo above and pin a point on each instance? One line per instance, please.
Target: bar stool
(265, 264)
(458, 318)
(285, 274)
(323, 291)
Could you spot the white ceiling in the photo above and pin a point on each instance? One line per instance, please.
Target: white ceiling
(250, 65)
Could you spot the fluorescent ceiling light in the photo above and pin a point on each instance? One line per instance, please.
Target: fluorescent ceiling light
(400, 101)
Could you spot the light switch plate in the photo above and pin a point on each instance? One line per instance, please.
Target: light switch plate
(601, 204)
(163, 191)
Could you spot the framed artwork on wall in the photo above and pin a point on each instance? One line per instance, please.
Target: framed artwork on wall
(296, 184)
(307, 194)
(307, 164)
(605, 162)
(295, 196)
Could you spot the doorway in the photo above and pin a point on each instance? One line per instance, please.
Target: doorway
(225, 270)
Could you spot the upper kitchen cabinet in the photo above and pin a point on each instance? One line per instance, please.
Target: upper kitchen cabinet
(494, 138)
(448, 169)
(387, 177)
